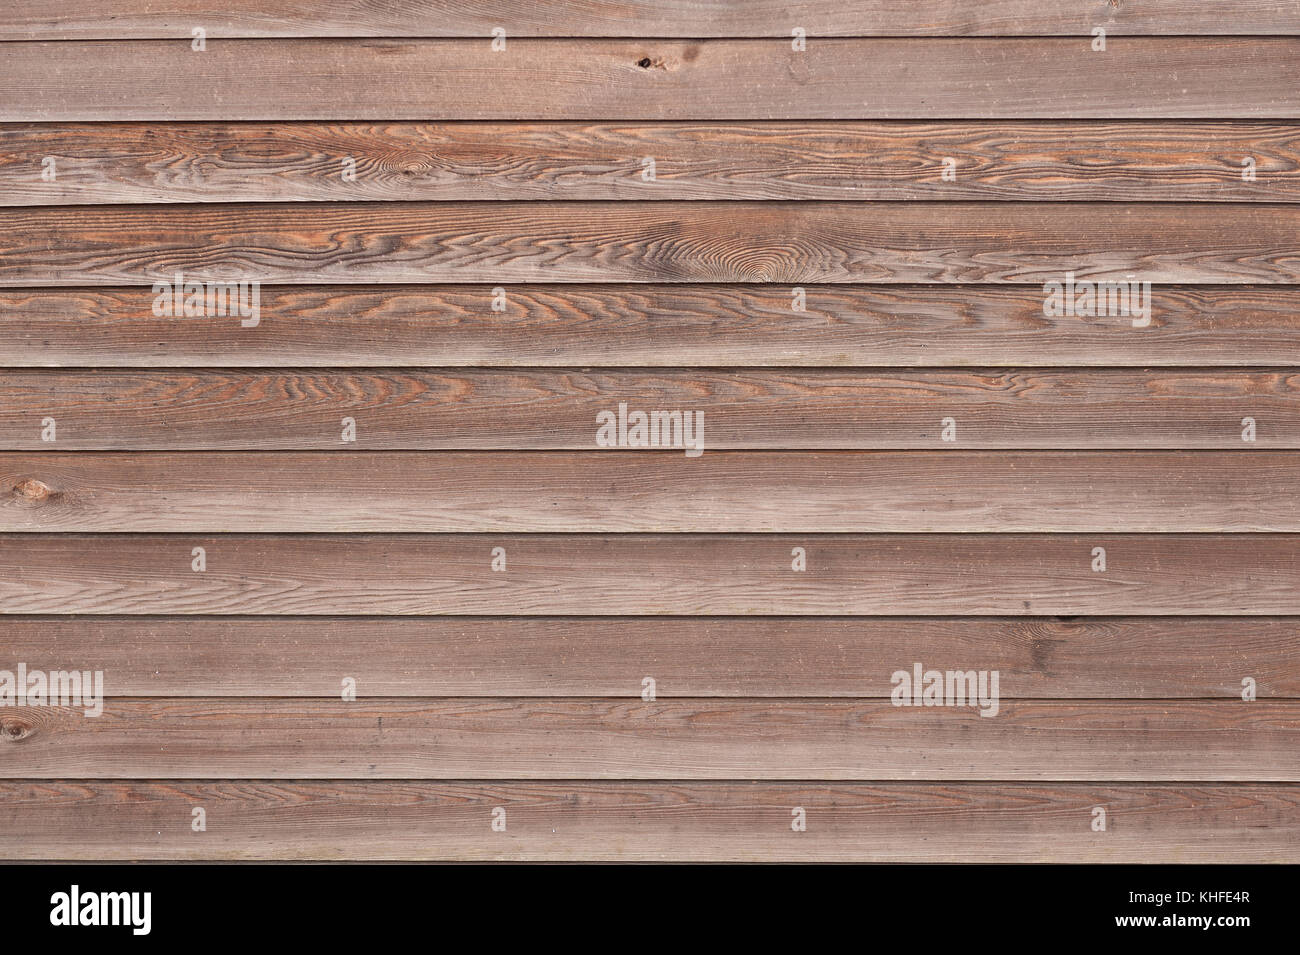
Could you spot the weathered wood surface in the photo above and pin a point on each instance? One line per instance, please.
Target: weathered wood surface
(1243, 77)
(650, 821)
(527, 409)
(635, 574)
(1141, 741)
(135, 19)
(469, 253)
(650, 326)
(1037, 658)
(749, 492)
(272, 162)
(501, 243)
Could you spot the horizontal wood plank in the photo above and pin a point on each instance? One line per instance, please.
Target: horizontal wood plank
(271, 162)
(750, 492)
(632, 574)
(649, 822)
(663, 79)
(1037, 658)
(472, 409)
(501, 243)
(135, 19)
(649, 326)
(1113, 740)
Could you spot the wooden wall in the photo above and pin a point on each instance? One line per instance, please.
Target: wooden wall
(830, 229)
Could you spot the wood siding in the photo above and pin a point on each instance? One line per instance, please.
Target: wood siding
(361, 573)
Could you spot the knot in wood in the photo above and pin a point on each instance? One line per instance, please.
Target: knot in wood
(14, 728)
(31, 489)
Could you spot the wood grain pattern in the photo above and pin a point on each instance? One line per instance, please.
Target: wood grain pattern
(496, 243)
(466, 259)
(634, 574)
(474, 409)
(650, 822)
(1147, 741)
(638, 79)
(272, 162)
(135, 19)
(740, 492)
(650, 326)
(1038, 658)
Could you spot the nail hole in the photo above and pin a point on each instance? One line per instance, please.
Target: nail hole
(644, 62)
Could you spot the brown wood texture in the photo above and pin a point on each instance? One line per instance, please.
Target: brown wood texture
(735, 657)
(499, 243)
(1112, 740)
(743, 492)
(650, 326)
(271, 162)
(635, 574)
(650, 821)
(134, 19)
(361, 568)
(1242, 77)
(769, 409)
